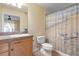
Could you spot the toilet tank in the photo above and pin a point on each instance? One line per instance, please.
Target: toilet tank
(40, 39)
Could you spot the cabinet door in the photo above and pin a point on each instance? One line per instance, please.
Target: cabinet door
(21, 47)
(29, 51)
(4, 54)
(4, 49)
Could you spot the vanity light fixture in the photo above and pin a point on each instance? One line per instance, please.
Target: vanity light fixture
(19, 5)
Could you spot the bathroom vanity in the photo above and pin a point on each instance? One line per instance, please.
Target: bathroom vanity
(16, 45)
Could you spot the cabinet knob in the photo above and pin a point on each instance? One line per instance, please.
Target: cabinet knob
(11, 49)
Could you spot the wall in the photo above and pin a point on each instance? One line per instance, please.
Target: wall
(23, 16)
(64, 24)
(0, 19)
(36, 20)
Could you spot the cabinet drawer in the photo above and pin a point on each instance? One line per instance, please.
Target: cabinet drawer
(27, 42)
(3, 47)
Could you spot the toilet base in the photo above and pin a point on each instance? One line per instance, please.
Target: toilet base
(45, 52)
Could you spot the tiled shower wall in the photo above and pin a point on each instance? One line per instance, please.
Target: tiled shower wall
(62, 30)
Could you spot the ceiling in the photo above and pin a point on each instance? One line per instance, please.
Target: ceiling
(54, 7)
(50, 7)
(22, 9)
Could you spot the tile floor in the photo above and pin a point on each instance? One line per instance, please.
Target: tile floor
(53, 53)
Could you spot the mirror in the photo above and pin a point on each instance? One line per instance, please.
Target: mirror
(11, 23)
(13, 19)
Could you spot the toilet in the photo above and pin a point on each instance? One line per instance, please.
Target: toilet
(47, 47)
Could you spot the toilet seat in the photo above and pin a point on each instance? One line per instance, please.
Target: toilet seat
(47, 46)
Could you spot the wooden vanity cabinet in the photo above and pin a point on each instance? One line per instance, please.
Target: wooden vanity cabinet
(16, 47)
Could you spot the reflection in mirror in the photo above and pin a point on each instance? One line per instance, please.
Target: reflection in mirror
(11, 23)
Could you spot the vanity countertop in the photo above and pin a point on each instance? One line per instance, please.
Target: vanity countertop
(3, 37)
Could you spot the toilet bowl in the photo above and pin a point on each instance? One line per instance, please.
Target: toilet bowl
(47, 46)
(47, 49)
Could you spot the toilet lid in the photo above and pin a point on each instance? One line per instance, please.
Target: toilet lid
(47, 45)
